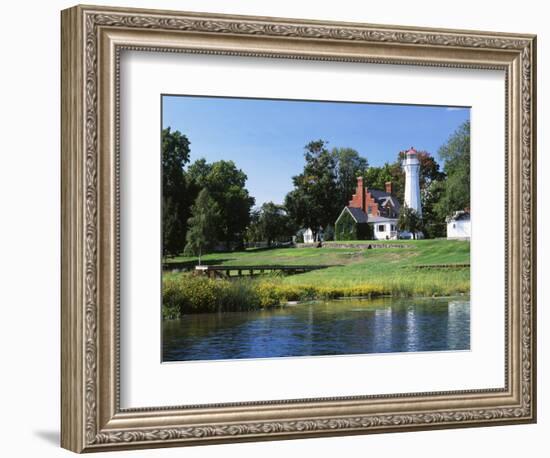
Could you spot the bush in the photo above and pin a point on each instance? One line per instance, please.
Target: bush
(186, 293)
(237, 295)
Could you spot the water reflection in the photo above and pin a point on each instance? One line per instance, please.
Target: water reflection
(338, 327)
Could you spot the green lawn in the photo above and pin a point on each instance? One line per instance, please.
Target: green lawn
(358, 271)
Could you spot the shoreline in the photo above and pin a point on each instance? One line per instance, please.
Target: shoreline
(313, 299)
(292, 304)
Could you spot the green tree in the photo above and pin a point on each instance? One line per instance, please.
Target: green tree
(274, 223)
(175, 199)
(409, 220)
(314, 200)
(431, 184)
(203, 225)
(456, 156)
(349, 166)
(253, 232)
(297, 206)
(227, 187)
(198, 172)
(433, 221)
(376, 177)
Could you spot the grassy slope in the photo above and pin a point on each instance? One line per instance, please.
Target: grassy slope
(390, 269)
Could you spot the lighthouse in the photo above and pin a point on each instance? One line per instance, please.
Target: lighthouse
(411, 166)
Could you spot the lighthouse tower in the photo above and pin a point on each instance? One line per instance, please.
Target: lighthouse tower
(411, 166)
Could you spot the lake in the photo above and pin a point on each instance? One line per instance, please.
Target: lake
(336, 327)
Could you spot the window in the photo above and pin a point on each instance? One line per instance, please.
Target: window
(381, 228)
(369, 210)
(392, 227)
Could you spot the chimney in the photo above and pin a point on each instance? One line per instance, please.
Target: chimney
(389, 187)
(361, 192)
(358, 199)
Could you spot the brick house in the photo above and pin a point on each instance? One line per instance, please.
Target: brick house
(370, 214)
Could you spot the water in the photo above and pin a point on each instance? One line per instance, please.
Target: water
(338, 327)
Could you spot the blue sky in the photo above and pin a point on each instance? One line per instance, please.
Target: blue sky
(266, 138)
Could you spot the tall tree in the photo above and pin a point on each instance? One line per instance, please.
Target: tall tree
(175, 201)
(203, 225)
(456, 156)
(273, 223)
(314, 200)
(227, 187)
(198, 172)
(254, 231)
(349, 166)
(433, 221)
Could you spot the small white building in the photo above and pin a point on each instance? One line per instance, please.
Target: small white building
(459, 225)
(308, 236)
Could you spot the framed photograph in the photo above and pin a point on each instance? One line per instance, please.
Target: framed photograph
(279, 228)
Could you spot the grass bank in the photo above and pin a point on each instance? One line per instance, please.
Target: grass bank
(358, 272)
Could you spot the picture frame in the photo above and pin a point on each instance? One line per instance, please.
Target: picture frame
(93, 39)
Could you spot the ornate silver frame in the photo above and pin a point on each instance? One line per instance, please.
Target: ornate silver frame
(92, 39)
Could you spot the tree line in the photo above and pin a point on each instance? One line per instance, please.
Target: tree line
(207, 204)
(203, 203)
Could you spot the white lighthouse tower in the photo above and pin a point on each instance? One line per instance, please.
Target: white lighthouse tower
(411, 165)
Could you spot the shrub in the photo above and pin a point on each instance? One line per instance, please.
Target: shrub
(267, 294)
(237, 295)
(186, 293)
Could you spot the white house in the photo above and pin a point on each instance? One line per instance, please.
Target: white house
(459, 225)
